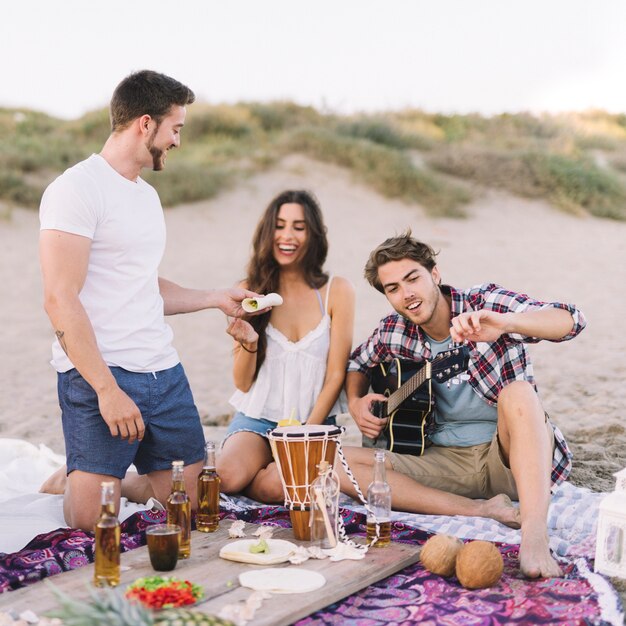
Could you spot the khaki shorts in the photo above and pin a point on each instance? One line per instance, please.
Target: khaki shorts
(474, 472)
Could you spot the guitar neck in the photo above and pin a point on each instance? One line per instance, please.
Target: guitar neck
(408, 388)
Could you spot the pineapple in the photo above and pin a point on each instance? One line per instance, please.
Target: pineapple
(108, 607)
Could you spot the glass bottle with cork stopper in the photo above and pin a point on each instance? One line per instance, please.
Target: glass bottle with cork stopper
(208, 516)
(611, 538)
(107, 540)
(379, 505)
(179, 509)
(324, 498)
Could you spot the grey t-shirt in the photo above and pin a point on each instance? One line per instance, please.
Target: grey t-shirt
(462, 417)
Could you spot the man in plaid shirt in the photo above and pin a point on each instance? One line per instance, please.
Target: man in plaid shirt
(491, 440)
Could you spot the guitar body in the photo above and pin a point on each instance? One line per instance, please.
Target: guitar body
(405, 431)
(409, 404)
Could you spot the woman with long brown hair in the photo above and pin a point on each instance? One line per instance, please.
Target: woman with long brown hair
(290, 362)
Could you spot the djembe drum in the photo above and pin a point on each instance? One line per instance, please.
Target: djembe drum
(297, 451)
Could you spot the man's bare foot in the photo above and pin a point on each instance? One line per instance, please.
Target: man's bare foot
(502, 510)
(55, 483)
(534, 555)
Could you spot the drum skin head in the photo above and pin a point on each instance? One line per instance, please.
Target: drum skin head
(305, 430)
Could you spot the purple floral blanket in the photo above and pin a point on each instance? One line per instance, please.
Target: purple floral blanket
(410, 596)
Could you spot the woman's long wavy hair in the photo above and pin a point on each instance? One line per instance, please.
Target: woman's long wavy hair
(263, 270)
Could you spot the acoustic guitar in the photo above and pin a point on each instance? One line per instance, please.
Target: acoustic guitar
(409, 400)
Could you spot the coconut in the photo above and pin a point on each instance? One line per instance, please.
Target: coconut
(439, 553)
(479, 564)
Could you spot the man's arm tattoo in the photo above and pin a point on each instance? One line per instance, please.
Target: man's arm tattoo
(61, 338)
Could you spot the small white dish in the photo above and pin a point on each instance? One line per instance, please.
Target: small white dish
(279, 551)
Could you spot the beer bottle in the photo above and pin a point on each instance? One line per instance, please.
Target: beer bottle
(379, 504)
(208, 517)
(179, 509)
(107, 540)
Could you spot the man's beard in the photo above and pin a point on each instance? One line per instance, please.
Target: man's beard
(157, 158)
(157, 153)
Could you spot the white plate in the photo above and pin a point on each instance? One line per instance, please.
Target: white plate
(280, 551)
(282, 580)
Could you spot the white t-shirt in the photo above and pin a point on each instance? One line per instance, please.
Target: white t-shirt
(124, 219)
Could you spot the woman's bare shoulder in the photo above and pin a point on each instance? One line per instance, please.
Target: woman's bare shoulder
(340, 284)
(341, 293)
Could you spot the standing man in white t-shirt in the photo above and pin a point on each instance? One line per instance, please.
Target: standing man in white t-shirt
(122, 390)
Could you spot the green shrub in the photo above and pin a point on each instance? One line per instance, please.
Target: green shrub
(547, 156)
(389, 171)
(217, 121)
(182, 182)
(15, 189)
(578, 181)
(275, 116)
(94, 126)
(381, 132)
(569, 182)
(32, 153)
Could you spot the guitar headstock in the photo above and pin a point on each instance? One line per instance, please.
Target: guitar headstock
(448, 364)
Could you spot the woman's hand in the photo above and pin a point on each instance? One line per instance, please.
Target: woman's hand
(243, 332)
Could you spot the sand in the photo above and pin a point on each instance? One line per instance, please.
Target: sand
(524, 245)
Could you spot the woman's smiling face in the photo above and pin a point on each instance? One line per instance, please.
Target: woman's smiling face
(290, 234)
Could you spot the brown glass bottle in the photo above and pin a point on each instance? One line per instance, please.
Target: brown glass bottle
(179, 509)
(208, 517)
(107, 541)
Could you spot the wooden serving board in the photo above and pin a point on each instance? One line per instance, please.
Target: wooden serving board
(219, 578)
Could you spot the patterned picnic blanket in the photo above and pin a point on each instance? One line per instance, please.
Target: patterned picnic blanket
(409, 596)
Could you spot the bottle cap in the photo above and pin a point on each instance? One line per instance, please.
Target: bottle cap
(176, 464)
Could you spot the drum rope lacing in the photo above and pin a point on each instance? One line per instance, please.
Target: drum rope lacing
(293, 500)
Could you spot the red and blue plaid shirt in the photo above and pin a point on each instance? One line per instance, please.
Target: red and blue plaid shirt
(493, 365)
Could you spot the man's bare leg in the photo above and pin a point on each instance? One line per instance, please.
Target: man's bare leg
(524, 443)
(409, 495)
(55, 483)
(81, 504)
(135, 488)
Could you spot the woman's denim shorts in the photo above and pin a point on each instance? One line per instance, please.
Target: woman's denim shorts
(260, 426)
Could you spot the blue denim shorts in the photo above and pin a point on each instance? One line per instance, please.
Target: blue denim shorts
(242, 423)
(173, 428)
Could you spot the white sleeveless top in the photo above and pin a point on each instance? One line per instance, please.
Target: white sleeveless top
(291, 376)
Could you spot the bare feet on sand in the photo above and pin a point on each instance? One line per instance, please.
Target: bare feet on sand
(55, 484)
(534, 555)
(502, 510)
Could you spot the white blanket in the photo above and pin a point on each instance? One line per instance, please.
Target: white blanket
(25, 513)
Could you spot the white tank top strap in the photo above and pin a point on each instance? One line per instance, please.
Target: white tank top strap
(330, 280)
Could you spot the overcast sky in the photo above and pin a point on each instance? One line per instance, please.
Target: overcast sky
(66, 56)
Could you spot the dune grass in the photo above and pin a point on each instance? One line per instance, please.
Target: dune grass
(573, 183)
(389, 171)
(576, 160)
